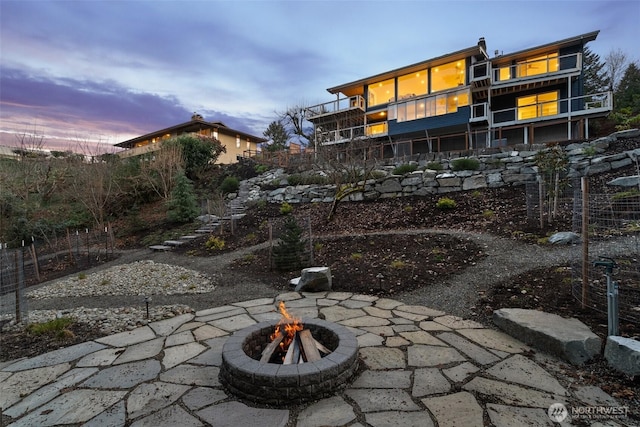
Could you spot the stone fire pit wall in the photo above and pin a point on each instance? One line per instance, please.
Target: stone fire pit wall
(275, 384)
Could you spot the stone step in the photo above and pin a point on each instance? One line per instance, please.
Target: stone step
(189, 237)
(160, 248)
(568, 339)
(173, 243)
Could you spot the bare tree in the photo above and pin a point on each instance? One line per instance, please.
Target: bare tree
(616, 62)
(160, 168)
(348, 165)
(295, 118)
(94, 180)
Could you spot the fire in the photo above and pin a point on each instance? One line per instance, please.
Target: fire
(289, 324)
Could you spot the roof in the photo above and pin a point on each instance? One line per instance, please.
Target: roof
(194, 125)
(355, 87)
(572, 41)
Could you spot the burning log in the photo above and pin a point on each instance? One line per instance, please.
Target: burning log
(291, 340)
(271, 348)
(311, 353)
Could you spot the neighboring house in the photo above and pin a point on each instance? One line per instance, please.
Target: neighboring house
(8, 153)
(465, 100)
(235, 141)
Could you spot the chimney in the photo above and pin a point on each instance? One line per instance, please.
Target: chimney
(482, 44)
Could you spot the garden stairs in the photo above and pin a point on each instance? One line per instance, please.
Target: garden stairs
(235, 209)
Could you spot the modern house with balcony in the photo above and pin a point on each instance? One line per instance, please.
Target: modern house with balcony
(235, 141)
(466, 100)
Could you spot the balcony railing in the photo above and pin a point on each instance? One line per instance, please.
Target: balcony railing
(526, 70)
(331, 107)
(576, 106)
(348, 134)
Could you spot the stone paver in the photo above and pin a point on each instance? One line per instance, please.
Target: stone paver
(420, 367)
(382, 400)
(458, 409)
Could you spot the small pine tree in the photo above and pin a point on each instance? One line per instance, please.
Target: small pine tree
(182, 205)
(289, 255)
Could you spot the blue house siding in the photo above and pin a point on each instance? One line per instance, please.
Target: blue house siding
(459, 118)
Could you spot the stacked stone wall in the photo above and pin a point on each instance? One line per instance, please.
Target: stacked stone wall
(506, 168)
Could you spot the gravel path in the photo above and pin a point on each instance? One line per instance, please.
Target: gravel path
(457, 295)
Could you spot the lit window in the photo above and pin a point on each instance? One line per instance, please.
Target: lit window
(543, 104)
(215, 133)
(538, 65)
(504, 73)
(411, 110)
(248, 144)
(402, 112)
(448, 76)
(441, 105)
(237, 141)
(381, 92)
(412, 85)
(420, 109)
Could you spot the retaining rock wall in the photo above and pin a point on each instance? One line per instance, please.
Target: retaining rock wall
(513, 167)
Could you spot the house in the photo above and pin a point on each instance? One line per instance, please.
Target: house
(235, 141)
(466, 100)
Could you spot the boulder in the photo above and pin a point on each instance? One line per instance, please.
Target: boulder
(568, 339)
(314, 279)
(625, 181)
(564, 238)
(623, 354)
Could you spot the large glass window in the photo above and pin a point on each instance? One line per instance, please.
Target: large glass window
(381, 92)
(412, 85)
(432, 105)
(538, 65)
(448, 76)
(542, 104)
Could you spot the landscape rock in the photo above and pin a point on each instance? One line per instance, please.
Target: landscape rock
(564, 238)
(623, 354)
(625, 181)
(314, 279)
(569, 339)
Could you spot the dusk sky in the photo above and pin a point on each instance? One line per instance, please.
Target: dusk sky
(88, 70)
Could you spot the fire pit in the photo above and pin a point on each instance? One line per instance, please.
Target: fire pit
(274, 383)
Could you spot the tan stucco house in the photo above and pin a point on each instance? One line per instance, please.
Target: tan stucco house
(235, 141)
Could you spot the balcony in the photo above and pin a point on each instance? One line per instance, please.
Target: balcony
(341, 136)
(333, 107)
(526, 74)
(588, 105)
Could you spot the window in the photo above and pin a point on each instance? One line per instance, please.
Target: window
(412, 85)
(215, 133)
(381, 92)
(248, 144)
(538, 65)
(542, 104)
(237, 141)
(432, 105)
(448, 76)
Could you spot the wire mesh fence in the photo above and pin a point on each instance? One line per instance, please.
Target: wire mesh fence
(612, 224)
(43, 259)
(290, 244)
(609, 227)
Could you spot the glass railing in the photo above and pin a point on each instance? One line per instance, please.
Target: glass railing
(331, 107)
(537, 68)
(576, 106)
(527, 69)
(349, 134)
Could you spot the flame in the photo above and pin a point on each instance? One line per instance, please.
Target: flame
(289, 324)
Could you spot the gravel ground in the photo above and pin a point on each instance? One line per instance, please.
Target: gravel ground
(177, 283)
(458, 295)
